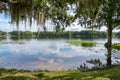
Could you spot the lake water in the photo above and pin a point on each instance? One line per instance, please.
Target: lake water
(50, 54)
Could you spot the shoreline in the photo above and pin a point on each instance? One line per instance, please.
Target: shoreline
(102, 74)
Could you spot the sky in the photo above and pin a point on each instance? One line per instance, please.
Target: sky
(6, 26)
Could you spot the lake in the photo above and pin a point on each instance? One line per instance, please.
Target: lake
(50, 54)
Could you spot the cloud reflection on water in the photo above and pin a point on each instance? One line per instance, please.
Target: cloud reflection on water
(47, 55)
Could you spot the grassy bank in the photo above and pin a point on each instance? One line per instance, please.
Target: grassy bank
(83, 43)
(1, 43)
(105, 74)
(116, 46)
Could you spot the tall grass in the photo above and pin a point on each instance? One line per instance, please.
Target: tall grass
(83, 43)
(102, 74)
(116, 46)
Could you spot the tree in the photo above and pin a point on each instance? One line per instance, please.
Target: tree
(18, 10)
(91, 14)
(39, 10)
(102, 13)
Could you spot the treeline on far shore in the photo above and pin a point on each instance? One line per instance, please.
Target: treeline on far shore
(65, 34)
(2, 35)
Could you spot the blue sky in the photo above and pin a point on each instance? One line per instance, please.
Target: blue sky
(4, 23)
(6, 26)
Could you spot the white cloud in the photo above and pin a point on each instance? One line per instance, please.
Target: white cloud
(60, 49)
(2, 20)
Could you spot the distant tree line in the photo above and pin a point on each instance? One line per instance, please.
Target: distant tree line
(117, 34)
(65, 34)
(2, 35)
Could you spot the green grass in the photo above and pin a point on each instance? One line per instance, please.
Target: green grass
(1, 43)
(105, 74)
(83, 43)
(116, 46)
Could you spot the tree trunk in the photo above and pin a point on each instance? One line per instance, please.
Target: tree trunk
(108, 45)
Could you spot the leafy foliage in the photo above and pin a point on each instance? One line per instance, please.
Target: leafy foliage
(39, 10)
(66, 34)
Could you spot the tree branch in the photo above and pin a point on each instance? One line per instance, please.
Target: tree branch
(9, 1)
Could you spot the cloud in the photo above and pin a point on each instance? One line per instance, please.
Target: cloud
(59, 49)
(2, 20)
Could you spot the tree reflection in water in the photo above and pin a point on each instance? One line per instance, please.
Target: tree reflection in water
(91, 64)
(116, 55)
(94, 64)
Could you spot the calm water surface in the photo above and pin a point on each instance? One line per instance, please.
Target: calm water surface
(49, 54)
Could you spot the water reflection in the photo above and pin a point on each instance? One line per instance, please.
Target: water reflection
(92, 64)
(48, 54)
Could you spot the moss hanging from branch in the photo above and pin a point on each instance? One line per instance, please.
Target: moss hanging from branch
(41, 17)
(13, 1)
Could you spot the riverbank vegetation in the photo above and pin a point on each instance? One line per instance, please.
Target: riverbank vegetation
(2, 34)
(1, 43)
(66, 34)
(102, 74)
(116, 46)
(83, 43)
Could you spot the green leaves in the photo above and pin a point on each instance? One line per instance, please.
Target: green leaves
(90, 12)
